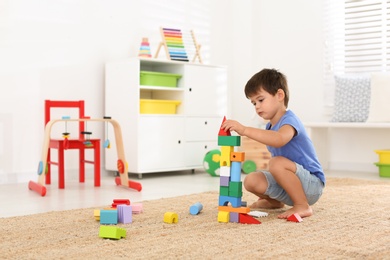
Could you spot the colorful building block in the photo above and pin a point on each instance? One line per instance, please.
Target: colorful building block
(171, 217)
(246, 219)
(223, 190)
(237, 156)
(235, 171)
(117, 202)
(224, 181)
(295, 218)
(112, 232)
(96, 214)
(223, 132)
(125, 213)
(109, 217)
(234, 209)
(196, 208)
(223, 216)
(137, 208)
(225, 200)
(234, 140)
(225, 155)
(224, 171)
(235, 189)
(234, 217)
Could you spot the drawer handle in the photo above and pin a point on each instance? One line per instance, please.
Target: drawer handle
(205, 122)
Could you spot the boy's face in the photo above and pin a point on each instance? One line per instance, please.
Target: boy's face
(267, 105)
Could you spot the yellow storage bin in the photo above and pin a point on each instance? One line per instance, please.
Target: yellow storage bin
(384, 156)
(155, 106)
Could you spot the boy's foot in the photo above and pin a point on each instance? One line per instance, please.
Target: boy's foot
(266, 204)
(303, 211)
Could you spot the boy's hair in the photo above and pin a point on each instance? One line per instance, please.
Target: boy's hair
(269, 80)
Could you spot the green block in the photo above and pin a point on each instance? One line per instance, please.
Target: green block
(112, 232)
(233, 140)
(235, 189)
(224, 191)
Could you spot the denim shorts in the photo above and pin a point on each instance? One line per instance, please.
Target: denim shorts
(312, 186)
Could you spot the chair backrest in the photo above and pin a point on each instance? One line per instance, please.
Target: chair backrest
(49, 104)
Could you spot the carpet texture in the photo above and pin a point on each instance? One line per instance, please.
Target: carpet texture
(351, 221)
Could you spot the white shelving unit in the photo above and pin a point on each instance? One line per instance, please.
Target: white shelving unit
(165, 142)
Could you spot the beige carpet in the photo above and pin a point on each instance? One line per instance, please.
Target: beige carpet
(351, 221)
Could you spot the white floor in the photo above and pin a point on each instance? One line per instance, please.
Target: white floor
(17, 199)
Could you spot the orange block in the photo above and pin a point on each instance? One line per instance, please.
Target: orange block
(231, 209)
(237, 156)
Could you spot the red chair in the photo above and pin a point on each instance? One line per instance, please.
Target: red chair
(72, 144)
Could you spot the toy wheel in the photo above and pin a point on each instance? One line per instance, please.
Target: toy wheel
(249, 166)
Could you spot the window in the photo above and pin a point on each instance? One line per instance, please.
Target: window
(357, 39)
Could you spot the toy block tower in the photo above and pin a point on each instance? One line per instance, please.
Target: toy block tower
(230, 190)
(144, 50)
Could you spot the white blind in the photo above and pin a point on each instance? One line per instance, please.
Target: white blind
(357, 39)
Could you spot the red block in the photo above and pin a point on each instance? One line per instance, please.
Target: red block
(295, 218)
(246, 219)
(223, 132)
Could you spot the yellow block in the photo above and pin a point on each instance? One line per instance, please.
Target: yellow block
(225, 155)
(223, 216)
(171, 217)
(96, 214)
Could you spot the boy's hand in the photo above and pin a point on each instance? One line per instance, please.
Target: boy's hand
(233, 125)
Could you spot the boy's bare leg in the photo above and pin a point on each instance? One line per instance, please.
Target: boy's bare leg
(257, 184)
(283, 170)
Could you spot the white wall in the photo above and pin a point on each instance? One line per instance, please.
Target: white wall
(57, 50)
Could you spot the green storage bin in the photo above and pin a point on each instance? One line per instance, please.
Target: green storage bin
(160, 79)
(384, 170)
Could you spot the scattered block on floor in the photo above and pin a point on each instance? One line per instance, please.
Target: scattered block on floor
(108, 217)
(125, 213)
(112, 232)
(295, 218)
(96, 214)
(137, 208)
(196, 208)
(171, 217)
(117, 202)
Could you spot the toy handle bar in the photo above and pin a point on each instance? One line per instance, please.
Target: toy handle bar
(122, 180)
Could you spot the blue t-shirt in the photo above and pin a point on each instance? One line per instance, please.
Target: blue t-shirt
(300, 149)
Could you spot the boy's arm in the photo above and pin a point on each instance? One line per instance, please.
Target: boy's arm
(272, 138)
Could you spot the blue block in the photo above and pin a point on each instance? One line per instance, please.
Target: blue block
(235, 171)
(196, 208)
(225, 200)
(109, 217)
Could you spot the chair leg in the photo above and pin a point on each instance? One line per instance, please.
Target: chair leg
(61, 167)
(82, 164)
(97, 163)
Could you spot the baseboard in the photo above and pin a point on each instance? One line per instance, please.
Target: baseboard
(352, 166)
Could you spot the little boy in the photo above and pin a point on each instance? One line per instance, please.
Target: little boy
(295, 176)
